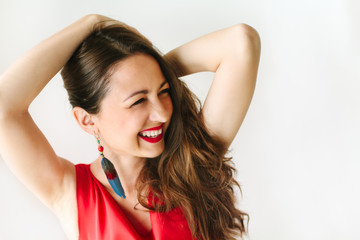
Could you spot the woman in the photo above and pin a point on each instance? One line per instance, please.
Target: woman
(158, 151)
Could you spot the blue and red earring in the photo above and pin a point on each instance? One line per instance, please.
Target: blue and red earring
(110, 172)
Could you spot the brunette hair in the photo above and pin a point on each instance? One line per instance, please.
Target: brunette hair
(193, 172)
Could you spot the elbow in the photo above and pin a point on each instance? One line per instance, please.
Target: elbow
(246, 38)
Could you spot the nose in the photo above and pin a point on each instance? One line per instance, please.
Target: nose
(160, 111)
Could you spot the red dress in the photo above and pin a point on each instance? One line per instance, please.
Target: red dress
(100, 217)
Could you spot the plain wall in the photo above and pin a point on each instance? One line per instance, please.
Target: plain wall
(297, 152)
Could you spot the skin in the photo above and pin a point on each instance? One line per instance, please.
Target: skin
(231, 53)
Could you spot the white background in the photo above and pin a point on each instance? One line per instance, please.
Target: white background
(297, 152)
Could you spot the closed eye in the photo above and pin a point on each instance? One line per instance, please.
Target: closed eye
(166, 90)
(138, 102)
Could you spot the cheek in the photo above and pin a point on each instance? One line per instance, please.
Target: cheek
(124, 124)
(135, 121)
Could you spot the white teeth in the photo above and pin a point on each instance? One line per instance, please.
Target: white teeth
(151, 133)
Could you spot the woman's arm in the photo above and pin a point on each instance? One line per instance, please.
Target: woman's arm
(233, 54)
(22, 145)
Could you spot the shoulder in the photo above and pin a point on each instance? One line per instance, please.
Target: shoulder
(67, 189)
(65, 205)
(74, 176)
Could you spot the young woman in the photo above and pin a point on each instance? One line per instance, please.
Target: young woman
(166, 174)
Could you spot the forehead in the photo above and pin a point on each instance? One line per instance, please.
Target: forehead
(138, 72)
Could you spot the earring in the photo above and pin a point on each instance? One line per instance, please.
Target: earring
(110, 172)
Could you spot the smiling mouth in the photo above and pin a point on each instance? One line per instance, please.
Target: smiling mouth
(152, 135)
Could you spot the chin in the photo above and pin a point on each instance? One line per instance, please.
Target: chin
(154, 153)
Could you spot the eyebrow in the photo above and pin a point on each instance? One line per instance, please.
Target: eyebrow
(143, 91)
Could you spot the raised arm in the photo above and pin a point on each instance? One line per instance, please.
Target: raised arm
(233, 54)
(22, 145)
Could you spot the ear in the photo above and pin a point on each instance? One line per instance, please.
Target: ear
(85, 120)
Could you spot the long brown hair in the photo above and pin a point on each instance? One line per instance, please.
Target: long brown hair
(193, 172)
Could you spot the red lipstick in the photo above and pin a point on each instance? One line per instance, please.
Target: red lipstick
(154, 128)
(153, 139)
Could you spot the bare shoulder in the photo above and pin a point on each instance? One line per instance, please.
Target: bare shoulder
(65, 205)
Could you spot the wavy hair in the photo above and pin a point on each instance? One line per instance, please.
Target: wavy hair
(193, 172)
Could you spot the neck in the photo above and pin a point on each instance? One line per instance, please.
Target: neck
(128, 168)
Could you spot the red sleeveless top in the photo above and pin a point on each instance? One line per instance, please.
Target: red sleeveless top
(100, 217)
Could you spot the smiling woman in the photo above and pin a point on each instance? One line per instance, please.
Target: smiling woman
(156, 146)
(137, 99)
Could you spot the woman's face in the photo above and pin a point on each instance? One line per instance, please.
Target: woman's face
(137, 110)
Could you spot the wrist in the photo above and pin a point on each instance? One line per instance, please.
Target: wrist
(90, 21)
(98, 21)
